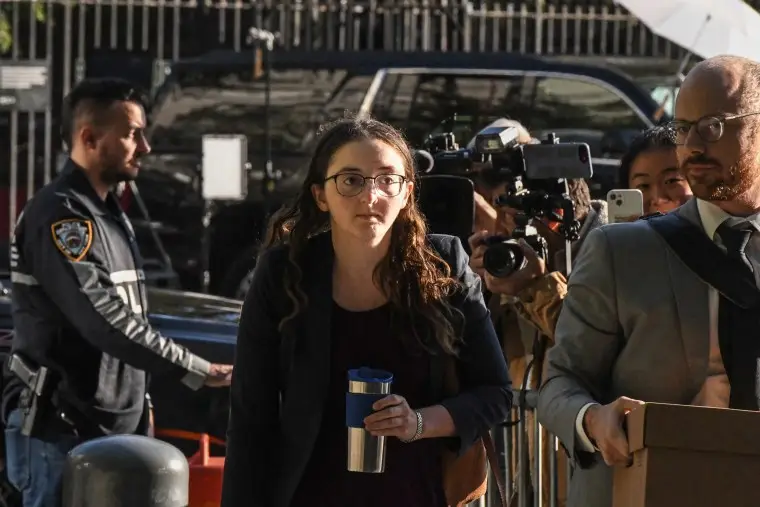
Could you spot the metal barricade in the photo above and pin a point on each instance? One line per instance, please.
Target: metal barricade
(531, 458)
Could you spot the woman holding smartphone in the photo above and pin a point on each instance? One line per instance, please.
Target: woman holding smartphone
(349, 278)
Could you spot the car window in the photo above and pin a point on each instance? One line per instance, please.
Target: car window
(570, 103)
(232, 103)
(666, 96)
(421, 104)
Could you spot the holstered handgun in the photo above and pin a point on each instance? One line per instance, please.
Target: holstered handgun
(36, 400)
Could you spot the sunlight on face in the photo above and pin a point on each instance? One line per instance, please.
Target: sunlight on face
(655, 173)
(724, 169)
(361, 207)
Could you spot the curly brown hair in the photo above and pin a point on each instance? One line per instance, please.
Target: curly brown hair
(414, 278)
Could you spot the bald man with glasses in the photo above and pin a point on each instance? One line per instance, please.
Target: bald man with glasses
(638, 324)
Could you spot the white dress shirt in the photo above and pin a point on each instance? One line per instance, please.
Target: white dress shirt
(716, 389)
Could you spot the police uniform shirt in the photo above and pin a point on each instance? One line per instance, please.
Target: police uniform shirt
(79, 304)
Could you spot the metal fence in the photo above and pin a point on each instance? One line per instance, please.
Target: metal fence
(68, 31)
(174, 28)
(536, 470)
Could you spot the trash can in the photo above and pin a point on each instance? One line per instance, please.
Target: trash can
(125, 471)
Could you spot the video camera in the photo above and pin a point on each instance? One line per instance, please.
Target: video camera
(494, 150)
(535, 176)
(542, 195)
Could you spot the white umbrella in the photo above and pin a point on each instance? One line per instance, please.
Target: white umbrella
(704, 27)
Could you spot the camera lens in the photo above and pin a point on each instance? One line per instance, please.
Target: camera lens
(619, 202)
(503, 259)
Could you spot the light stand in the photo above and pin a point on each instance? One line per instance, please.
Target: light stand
(264, 38)
(224, 177)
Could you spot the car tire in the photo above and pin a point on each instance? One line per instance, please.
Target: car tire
(238, 278)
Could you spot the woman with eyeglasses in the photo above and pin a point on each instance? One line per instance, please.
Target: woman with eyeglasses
(349, 278)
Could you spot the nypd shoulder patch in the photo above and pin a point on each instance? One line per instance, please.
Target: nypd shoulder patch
(73, 237)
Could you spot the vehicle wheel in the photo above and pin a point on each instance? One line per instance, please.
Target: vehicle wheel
(238, 278)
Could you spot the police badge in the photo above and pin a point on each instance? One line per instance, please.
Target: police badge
(73, 237)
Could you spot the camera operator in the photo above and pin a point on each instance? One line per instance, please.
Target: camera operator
(648, 166)
(536, 291)
(525, 303)
(489, 186)
(492, 220)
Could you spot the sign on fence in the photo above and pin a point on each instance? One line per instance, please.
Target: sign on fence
(24, 85)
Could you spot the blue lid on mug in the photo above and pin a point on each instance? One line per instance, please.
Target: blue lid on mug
(372, 375)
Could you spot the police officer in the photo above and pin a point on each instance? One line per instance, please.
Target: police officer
(79, 303)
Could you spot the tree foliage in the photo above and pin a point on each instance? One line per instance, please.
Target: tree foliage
(37, 9)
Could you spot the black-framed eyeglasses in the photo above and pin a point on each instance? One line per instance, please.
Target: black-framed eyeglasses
(709, 128)
(352, 184)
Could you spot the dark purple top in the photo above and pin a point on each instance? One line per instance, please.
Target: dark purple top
(412, 476)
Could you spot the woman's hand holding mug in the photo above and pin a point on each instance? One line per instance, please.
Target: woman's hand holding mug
(393, 417)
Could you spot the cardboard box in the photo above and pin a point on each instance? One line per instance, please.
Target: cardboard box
(690, 456)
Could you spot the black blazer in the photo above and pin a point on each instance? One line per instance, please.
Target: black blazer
(269, 442)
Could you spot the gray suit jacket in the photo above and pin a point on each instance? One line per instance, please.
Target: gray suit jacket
(634, 323)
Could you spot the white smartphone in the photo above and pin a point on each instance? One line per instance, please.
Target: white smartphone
(624, 204)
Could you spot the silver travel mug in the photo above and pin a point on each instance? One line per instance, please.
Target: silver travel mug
(366, 453)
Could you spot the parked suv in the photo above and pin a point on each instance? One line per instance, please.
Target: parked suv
(217, 94)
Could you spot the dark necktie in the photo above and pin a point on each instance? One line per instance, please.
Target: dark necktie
(735, 239)
(737, 327)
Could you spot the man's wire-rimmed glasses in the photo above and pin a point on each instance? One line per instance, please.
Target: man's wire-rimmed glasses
(709, 128)
(352, 184)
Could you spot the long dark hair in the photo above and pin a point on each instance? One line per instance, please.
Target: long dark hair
(414, 278)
